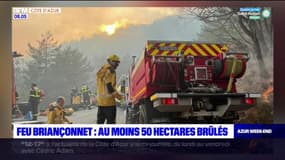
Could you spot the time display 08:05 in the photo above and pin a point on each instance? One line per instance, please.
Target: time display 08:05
(20, 16)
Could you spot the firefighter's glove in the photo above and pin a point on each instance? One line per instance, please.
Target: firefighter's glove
(117, 95)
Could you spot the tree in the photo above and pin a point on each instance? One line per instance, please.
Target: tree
(225, 24)
(69, 69)
(55, 69)
(41, 56)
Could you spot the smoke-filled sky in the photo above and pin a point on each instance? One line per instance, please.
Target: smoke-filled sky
(75, 24)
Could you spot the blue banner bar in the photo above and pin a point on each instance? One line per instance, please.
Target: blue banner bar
(250, 9)
(259, 131)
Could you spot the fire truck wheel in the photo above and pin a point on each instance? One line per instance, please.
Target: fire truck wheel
(144, 117)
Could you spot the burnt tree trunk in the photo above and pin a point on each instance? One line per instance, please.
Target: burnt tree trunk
(251, 31)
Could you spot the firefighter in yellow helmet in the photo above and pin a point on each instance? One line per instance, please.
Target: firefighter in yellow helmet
(106, 92)
(56, 114)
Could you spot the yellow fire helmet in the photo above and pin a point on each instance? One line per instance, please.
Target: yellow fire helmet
(113, 58)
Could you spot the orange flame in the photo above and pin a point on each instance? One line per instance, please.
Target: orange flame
(266, 93)
(112, 28)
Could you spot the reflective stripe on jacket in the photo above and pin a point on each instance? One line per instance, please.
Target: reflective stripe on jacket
(35, 92)
(84, 89)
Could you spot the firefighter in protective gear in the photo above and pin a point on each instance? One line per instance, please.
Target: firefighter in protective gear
(56, 114)
(34, 100)
(74, 93)
(106, 92)
(85, 92)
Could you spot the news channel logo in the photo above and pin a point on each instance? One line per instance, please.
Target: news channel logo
(20, 13)
(266, 13)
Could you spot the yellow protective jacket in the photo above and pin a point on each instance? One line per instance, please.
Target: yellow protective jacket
(103, 77)
(56, 114)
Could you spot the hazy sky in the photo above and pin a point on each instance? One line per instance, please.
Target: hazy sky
(75, 24)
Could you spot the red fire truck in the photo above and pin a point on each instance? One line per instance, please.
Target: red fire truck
(181, 81)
